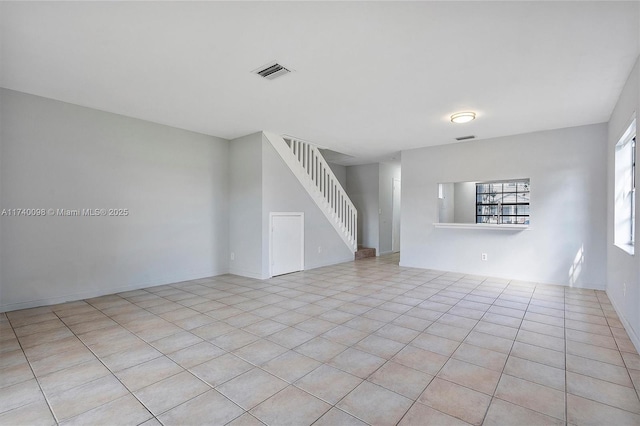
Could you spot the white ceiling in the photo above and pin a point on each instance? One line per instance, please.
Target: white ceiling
(371, 78)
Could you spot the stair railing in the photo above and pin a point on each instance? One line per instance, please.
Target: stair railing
(328, 186)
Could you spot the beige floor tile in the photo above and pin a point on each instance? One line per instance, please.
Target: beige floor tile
(539, 354)
(213, 330)
(234, 340)
(39, 327)
(544, 319)
(93, 325)
(631, 360)
(290, 366)
(38, 352)
(158, 332)
(397, 333)
(130, 357)
(541, 328)
(381, 315)
(72, 377)
(36, 339)
(15, 374)
(335, 316)
(447, 331)
(170, 392)
(366, 325)
(221, 369)
(344, 335)
(592, 339)
(412, 322)
(542, 340)
(20, 394)
(245, 420)
(320, 349)
(290, 337)
(375, 405)
(457, 321)
(328, 383)
(175, 342)
(359, 363)
(599, 370)
(260, 351)
(472, 376)
(581, 411)
(455, 400)
(147, 373)
(88, 396)
(9, 343)
(36, 413)
(535, 372)
(195, 321)
(336, 417)
(380, 346)
(531, 395)
(251, 388)
(126, 410)
(420, 359)
(352, 316)
(315, 325)
(242, 320)
(635, 378)
(480, 356)
(178, 314)
(496, 330)
(196, 354)
(265, 327)
(437, 344)
(291, 406)
(208, 408)
(419, 415)
(608, 393)
(61, 361)
(594, 352)
(22, 321)
(398, 378)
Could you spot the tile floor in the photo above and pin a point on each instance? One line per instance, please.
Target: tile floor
(364, 342)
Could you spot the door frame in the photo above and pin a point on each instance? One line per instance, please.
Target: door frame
(271, 216)
(394, 194)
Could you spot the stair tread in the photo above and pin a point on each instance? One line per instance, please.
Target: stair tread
(364, 252)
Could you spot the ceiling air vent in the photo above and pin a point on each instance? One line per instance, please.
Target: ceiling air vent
(465, 138)
(271, 71)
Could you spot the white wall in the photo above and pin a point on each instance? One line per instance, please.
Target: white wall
(58, 155)
(623, 268)
(245, 214)
(387, 172)
(340, 172)
(568, 211)
(363, 183)
(282, 192)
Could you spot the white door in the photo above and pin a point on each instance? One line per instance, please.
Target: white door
(395, 221)
(287, 243)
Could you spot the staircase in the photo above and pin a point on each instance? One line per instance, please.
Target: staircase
(364, 252)
(310, 168)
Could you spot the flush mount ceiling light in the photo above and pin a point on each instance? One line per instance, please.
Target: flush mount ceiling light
(463, 117)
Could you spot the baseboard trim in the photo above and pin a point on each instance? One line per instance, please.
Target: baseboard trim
(630, 331)
(72, 297)
(247, 274)
(327, 263)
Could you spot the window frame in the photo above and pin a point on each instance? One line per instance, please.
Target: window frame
(500, 205)
(624, 185)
